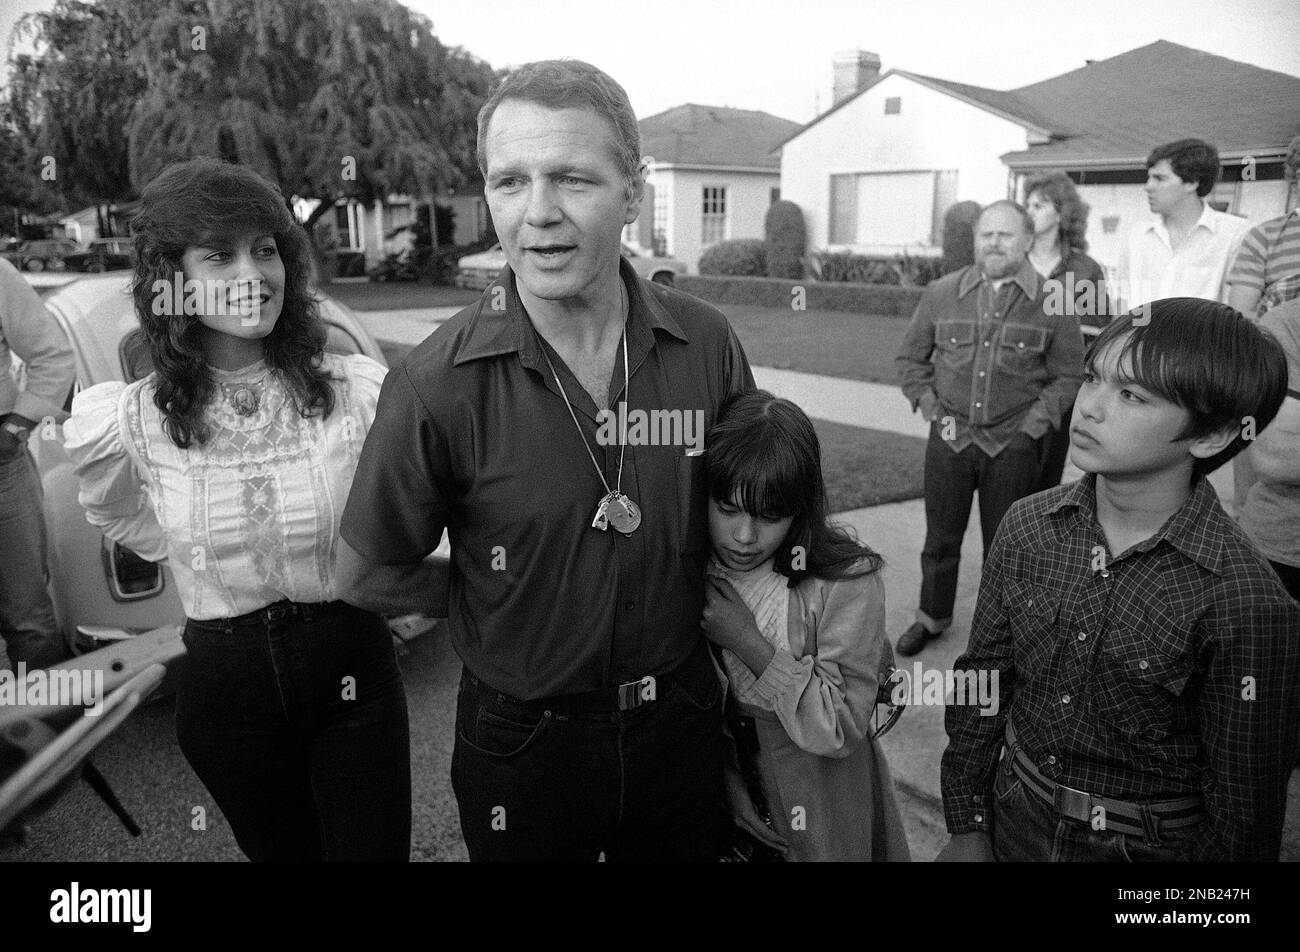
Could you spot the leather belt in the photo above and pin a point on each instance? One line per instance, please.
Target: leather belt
(1120, 816)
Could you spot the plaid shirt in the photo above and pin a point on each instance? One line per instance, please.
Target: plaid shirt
(1171, 670)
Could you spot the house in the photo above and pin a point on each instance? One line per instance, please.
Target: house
(875, 173)
(714, 176)
(353, 228)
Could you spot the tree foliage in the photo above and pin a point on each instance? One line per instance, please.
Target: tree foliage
(328, 98)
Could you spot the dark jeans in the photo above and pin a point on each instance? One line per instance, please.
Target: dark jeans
(26, 614)
(294, 718)
(951, 479)
(1055, 449)
(1027, 830)
(644, 784)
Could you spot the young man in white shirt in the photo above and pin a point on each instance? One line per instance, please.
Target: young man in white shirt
(1186, 251)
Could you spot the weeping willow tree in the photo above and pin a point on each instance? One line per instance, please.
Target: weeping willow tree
(331, 99)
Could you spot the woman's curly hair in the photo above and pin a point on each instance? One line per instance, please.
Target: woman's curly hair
(199, 202)
(1073, 210)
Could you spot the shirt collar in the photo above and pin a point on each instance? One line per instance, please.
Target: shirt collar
(492, 333)
(1209, 220)
(1026, 277)
(1185, 530)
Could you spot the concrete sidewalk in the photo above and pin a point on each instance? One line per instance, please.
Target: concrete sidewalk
(897, 531)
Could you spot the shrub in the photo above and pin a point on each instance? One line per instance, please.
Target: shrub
(879, 299)
(786, 240)
(740, 256)
(959, 235)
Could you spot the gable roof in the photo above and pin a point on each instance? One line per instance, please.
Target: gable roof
(1120, 108)
(692, 134)
(1114, 111)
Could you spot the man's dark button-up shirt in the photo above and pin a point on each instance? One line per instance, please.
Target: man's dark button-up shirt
(1170, 670)
(997, 363)
(472, 434)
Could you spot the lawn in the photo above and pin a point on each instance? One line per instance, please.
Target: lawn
(831, 343)
(869, 467)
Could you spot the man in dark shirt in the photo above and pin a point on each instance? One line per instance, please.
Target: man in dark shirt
(993, 370)
(555, 430)
(1148, 659)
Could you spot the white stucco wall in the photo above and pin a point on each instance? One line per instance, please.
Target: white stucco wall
(749, 194)
(932, 132)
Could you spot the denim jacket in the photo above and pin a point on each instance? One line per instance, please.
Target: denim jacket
(995, 362)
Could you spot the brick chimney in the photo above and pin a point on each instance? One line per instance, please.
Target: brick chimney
(854, 71)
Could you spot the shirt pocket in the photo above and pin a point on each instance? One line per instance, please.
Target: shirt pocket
(1140, 677)
(1032, 610)
(1021, 348)
(955, 342)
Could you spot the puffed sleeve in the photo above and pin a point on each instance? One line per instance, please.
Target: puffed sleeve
(825, 702)
(365, 376)
(111, 488)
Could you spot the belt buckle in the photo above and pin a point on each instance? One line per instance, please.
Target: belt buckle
(1072, 803)
(633, 694)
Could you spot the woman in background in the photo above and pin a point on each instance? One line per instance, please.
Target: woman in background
(1060, 219)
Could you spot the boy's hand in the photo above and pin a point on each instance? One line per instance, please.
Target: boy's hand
(727, 621)
(967, 848)
(745, 816)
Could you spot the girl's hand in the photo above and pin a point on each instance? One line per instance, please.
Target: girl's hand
(727, 621)
(745, 816)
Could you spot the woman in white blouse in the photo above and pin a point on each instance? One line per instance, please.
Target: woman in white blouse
(232, 461)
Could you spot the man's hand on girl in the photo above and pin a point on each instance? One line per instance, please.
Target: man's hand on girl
(745, 816)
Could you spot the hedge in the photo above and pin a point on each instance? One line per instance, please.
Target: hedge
(738, 256)
(880, 299)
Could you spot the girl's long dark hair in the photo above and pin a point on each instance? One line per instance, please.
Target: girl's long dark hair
(763, 451)
(198, 202)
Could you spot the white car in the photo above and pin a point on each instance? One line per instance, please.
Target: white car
(96, 584)
(480, 270)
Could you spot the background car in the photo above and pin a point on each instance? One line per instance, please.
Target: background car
(95, 582)
(480, 270)
(102, 254)
(42, 254)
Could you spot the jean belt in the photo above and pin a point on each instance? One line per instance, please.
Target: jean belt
(277, 611)
(1121, 816)
(624, 697)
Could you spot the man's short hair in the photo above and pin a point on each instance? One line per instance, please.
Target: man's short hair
(1193, 160)
(1291, 164)
(1206, 358)
(570, 84)
(1015, 206)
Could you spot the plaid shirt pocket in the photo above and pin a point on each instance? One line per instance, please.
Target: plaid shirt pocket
(1139, 678)
(1032, 610)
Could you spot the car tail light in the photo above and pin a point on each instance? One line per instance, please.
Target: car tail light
(130, 578)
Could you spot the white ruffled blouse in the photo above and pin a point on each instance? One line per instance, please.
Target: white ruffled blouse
(244, 520)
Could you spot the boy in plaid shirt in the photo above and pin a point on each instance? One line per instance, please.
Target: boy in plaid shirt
(1148, 657)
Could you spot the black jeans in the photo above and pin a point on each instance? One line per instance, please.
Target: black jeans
(1054, 446)
(1290, 576)
(643, 784)
(951, 479)
(294, 717)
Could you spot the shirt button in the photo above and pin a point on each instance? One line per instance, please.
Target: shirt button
(979, 817)
(1143, 664)
(952, 340)
(1052, 759)
(981, 373)
(978, 405)
(1083, 636)
(1065, 699)
(1029, 604)
(1105, 573)
(630, 605)
(986, 343)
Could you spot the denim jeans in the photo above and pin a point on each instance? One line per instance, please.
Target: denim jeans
(294, 718)
(27, 622)
(1027, 830)
(1054, 448)
(643, 784)
(951, 479)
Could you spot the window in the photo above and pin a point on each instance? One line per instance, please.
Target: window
(659, 224)
(844, 209)
(347, 225)
(774, 196)
(714, 219)
(893, 105)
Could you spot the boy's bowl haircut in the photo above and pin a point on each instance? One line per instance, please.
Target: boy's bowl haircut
(1208, 359)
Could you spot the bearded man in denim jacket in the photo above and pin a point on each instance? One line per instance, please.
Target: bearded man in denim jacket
(993, 370)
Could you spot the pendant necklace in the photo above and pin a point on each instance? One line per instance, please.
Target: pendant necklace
(615, 507)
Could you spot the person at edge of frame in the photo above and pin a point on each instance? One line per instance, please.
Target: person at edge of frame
(589, 715)
(1149, 670)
